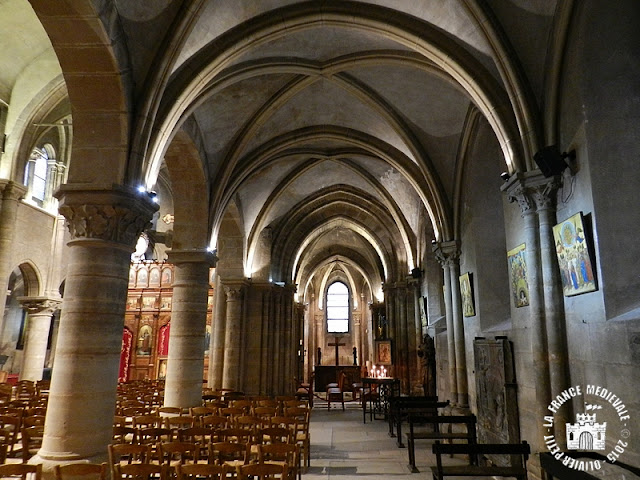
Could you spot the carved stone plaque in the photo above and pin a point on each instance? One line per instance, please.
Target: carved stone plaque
(496, 391)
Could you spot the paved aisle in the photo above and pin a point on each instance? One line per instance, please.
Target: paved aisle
(342, 447)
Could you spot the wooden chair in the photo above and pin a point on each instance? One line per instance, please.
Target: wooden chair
(198, 412)
(237, 435)
(153, 435)
(33, 421)
(214, 421)
(78, 471)
(229, 453)
(336, 394)
(262, 471)
(282, 453)
(169, 410)
(146, 421)
(200, 436)
(4, 448)
(11, 423)
(141, 471)
(304, 391)
(122, 434)
(21, 469)
(302, 435)
(127, 454)
(201, 471)
(275, 435)
(175, 453)
(31, 441)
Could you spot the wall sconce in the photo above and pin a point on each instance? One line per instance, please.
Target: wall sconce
(416, 273)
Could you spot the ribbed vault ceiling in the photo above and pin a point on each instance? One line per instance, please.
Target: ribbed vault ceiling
(335, 126)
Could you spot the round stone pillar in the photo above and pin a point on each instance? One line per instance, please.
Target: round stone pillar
(185, 366)
(40, 310)
(104, 227)
(232, 369)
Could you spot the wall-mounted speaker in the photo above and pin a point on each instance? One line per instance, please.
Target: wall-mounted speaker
(550, 161)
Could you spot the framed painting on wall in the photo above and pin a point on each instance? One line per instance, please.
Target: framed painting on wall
(466, 293)
(573, 250)
(161, 368)
(518, 276)
(383, 352)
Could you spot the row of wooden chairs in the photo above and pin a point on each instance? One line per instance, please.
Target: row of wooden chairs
(229, 454)
(261, 471)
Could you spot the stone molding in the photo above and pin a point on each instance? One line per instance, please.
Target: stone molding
(119, 215)
(42, 305)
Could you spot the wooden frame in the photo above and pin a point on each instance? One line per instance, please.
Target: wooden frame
(161, 368)
(575, 258)
(383, 352)
(466, 294)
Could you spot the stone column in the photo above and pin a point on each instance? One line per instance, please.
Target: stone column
(12, 193)
(544, 192)
(216, 360)
(40, 310)
(50, 186)
(441, 252)
(185, 365)
(518, 190)
(233, 336)
(104, 227)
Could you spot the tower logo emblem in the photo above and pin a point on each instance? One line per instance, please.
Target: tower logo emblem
(588, 434)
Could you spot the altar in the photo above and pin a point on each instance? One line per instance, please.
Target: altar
(325, 374)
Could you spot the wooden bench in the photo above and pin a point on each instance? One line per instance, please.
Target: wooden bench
(400, 407)
(437, 434)
(519, 453)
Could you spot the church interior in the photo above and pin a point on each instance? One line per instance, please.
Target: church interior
(251, 195)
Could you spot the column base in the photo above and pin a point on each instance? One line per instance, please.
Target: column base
(49, 462)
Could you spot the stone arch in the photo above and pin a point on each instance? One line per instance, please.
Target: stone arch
(32, 279)
(93, 58)
(190, 193)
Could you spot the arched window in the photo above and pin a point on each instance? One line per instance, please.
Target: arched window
(36, 176)
(337, 308)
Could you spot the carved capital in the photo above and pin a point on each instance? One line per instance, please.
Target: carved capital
(12, 190)
(119, 215)
(233, 292)
(446, 253)
(41, 305)
(532, 191)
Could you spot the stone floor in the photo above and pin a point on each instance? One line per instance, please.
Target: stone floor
(344, 448)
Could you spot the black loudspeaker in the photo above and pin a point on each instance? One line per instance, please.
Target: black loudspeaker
(550, 161)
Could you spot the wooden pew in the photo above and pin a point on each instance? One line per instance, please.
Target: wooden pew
(518, 469)
(400, 407)
(437, 434)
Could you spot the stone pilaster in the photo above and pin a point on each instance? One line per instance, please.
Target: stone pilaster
(104, 227)
(232, 370)
(185, 365)
(40, 310)
(11, 193)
